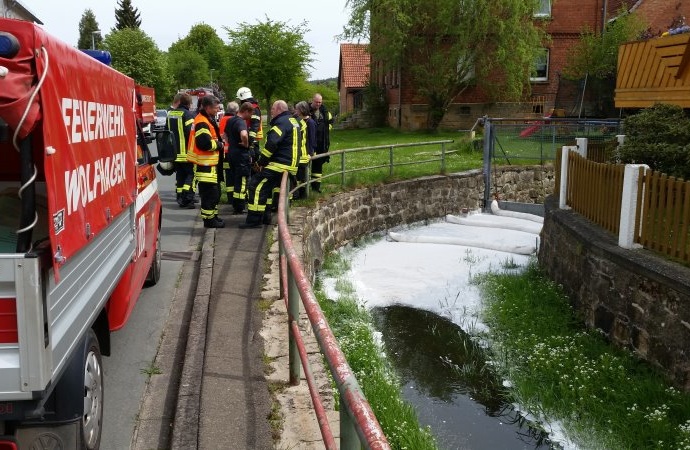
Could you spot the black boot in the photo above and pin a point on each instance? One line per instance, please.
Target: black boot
(215, 222)
(253, 220)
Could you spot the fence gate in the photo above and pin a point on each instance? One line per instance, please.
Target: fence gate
(520, 142)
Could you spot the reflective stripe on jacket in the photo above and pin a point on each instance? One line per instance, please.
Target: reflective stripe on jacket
(283, 144)
(203, 146)
(180, 122)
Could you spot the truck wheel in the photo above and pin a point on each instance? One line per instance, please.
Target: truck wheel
(155, 269)
(92, 416)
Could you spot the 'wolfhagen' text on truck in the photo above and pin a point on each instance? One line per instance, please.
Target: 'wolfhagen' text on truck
(80, 219)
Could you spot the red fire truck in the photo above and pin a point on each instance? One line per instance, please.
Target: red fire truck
(80, 219)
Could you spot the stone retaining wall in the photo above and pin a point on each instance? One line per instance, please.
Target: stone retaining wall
(638, 299)
(351, 215)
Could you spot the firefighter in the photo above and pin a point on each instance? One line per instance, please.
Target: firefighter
(281, 153)
(229, 113)
(205, 150)
(180, 122)
(324, 123)
(240, 160)
(302, 111)
(254, 124)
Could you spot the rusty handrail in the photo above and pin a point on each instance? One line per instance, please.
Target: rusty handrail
(363, 428)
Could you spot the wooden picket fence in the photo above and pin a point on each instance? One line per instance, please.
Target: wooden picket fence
(663, 214)
(662, 219)
(595, 190)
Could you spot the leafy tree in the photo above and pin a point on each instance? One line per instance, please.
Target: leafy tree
(446, 46)
(209, 48)
(597, 54)
(87, 26)
(188, 68)
(269, 57)
(659, 137)
(126, 15)
(135, 54)
(305, 90)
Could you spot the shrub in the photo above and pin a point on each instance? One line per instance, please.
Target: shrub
(659, 137)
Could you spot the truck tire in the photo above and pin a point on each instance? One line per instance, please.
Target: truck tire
(155, 270)
(92, 416)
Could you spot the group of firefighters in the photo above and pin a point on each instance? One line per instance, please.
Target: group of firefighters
(209, 152)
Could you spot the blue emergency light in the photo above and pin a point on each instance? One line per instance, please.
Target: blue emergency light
(9, 45)
(101, 55)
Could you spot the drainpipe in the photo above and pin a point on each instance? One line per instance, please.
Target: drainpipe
(603, 17)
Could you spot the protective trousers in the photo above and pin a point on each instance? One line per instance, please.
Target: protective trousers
(259, 190)
(240, 171)
(184, 183)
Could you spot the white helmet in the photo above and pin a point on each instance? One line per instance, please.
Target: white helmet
(244, 93)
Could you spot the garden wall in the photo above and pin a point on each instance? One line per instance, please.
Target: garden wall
(639, 300)
(350, 215)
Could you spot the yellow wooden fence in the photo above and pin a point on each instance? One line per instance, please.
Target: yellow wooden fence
(595, 190)
(663, 214)
(662, 220)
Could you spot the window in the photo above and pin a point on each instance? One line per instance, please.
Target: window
(544, 9)
(540, 72)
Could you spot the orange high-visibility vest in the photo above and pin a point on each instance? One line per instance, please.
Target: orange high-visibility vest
(198, 156)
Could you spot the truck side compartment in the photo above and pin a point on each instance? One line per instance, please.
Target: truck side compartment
(80, 218)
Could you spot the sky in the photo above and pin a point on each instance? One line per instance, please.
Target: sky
(166, 21)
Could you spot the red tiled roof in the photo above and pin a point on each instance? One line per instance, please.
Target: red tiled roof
(354, 65)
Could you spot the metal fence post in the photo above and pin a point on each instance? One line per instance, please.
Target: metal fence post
(390, 161)
(293, 314)
(342, 170)
(486, 166)
(349, 440)
(443, 157)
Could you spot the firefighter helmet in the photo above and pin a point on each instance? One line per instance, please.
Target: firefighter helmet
(244, 93)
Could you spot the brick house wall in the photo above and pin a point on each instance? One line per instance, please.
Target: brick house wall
(568, 19)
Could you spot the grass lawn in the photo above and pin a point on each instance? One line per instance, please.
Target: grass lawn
(410, 162)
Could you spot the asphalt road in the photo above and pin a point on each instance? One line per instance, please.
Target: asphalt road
(134, 347)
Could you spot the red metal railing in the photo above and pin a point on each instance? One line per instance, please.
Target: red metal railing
(358, 424)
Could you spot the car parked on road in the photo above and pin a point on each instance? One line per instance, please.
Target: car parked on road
(161, 119)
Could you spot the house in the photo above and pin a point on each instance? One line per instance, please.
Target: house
(353, 76)
(563, 21)
(13, 9)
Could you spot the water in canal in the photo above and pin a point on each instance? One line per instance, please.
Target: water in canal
(421, 297)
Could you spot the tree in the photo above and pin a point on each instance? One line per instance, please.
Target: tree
(126, 15)
(87, 26)
(269, 57)
(597, 54)
(135, 54)
(446, 46)
(200, 58)
(188, 68)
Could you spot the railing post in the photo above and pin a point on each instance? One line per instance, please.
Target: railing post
(349, 440)
(631, 178)
(390, 161)
(486, 166)
(308, 186)
(293, 314)
(342, 170)
(563, 194)
(443, 157)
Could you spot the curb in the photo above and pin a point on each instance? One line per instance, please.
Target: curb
(186, 423)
